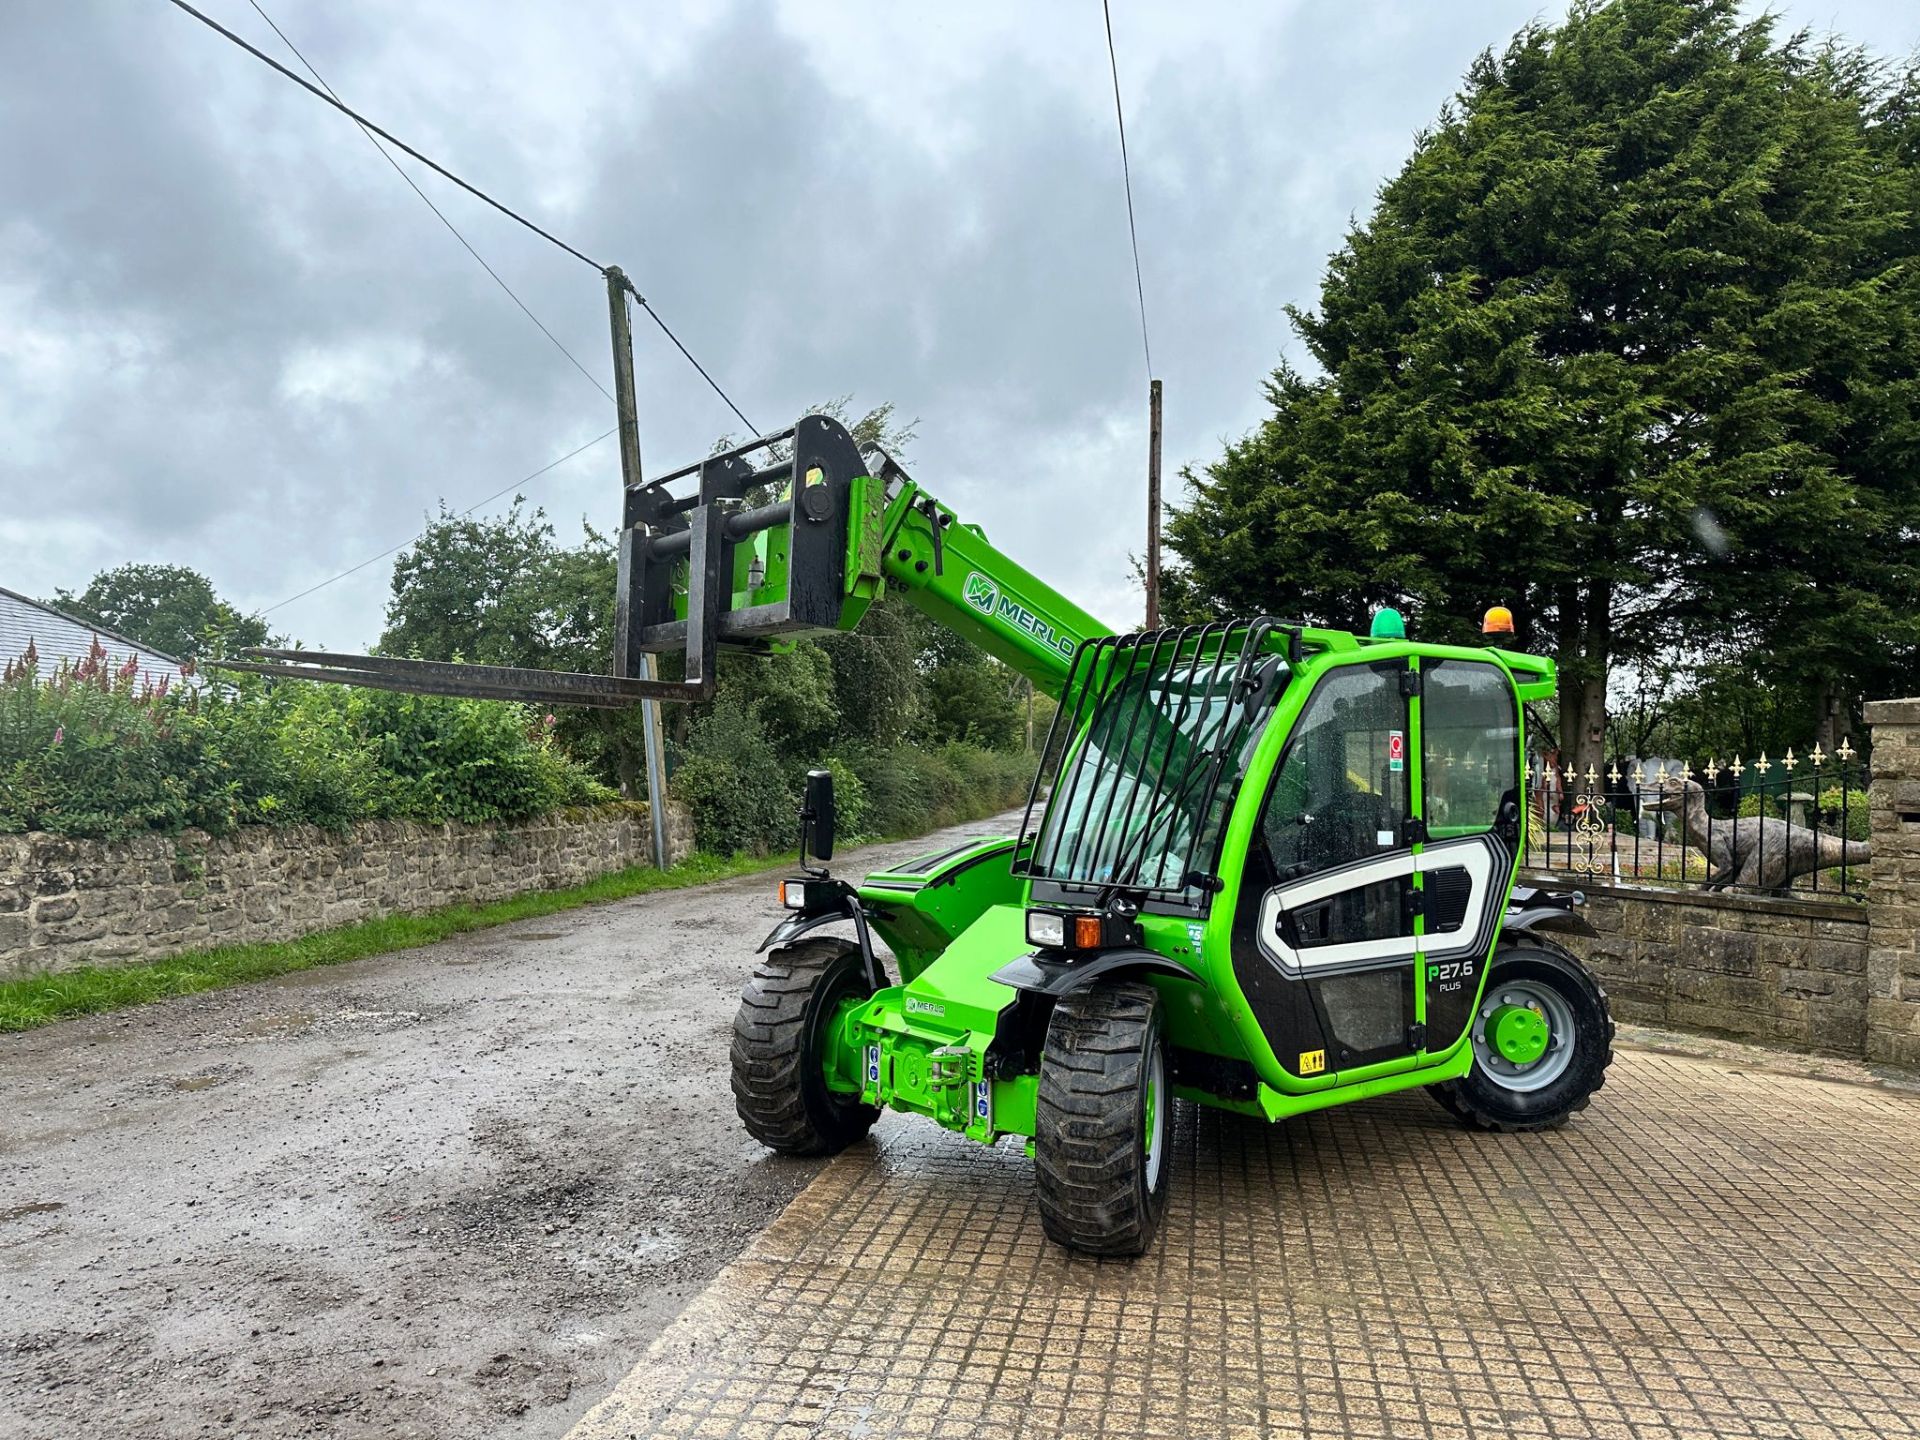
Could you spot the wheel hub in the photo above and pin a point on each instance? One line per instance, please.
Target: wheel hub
(1524, 1035)
(1519, 1032)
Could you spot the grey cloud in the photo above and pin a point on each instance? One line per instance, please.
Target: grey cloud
(230, 337)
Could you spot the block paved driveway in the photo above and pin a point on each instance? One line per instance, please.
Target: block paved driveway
(1715, 1248)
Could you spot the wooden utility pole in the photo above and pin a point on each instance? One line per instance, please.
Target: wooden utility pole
(1153, 505)
(629, 422)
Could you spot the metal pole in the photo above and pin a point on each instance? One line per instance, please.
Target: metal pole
(652, 740)
(1153, 505)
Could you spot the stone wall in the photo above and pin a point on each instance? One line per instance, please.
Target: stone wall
(1820, 975)
(1778, 971)
(1893, 956)
(65, 903)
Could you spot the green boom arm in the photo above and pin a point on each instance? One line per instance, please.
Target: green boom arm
(977, 591)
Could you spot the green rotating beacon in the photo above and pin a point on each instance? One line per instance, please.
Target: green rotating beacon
(1264, 866)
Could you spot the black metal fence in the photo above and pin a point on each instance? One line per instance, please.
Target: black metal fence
(1797, 824)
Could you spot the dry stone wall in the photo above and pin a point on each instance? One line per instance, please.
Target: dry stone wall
(1778, 971)
(66, 903)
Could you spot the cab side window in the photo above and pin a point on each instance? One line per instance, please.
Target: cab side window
(1470, 745)
(1341, 793)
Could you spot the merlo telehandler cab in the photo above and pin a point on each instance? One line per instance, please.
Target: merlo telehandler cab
(1264, 866)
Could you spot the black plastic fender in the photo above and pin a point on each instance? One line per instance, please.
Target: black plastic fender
(1547, 917)
(1042, 974)
(794, 926)
(1532, 909)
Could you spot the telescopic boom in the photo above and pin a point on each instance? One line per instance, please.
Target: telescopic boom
(790, 535)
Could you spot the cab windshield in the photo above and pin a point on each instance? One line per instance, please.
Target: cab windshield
(1154, 755)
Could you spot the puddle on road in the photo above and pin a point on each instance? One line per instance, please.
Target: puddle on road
(349, 1019)
(36, 1207)
(656, 1247)
(189, 1081)
(267, 1027)
(481, 952)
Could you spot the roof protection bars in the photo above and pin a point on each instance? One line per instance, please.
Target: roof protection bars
(694, 574)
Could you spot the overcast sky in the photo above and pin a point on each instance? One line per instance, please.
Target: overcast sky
(230, 336)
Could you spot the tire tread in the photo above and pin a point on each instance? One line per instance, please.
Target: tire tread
(769, 1041)
(1457, 1097)
(1088, 1160)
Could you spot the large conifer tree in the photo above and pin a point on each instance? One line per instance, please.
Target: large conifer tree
(1629, 345)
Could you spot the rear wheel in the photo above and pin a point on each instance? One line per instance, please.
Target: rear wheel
(1102, 1120)
(1542, 1041)
(779, 1042)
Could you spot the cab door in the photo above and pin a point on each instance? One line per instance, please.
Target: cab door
(1326, 936)
(1470, 798)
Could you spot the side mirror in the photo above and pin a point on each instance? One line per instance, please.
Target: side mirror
(816, 817)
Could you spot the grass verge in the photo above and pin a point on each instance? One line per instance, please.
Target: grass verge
(42, 999)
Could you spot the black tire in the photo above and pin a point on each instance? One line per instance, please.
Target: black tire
(779, 1087)
(1484, 1100)
(1101, 1175)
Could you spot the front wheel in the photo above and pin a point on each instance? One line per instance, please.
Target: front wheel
(780, 1035)
(1102, 1120)
(1542, 1041)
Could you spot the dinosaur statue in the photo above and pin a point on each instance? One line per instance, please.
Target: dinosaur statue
(1755, 851)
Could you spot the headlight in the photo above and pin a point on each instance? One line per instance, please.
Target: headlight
(1046, 930)
(793, 894)
(1080, 930)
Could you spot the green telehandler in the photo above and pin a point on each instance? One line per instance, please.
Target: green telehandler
(1264, 866)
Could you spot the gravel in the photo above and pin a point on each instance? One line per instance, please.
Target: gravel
(450, 1192)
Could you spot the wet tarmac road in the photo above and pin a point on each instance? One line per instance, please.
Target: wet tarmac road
(450, 1192)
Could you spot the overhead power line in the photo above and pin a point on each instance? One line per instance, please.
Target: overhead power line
(1126, 172)
(368, 128)
(388, 136)
(439, 169)
(452, 229)
(755, 429)
(394, 550)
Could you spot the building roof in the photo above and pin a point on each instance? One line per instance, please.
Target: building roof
(57, 636)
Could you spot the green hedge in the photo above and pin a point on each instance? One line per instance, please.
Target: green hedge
(85, 752)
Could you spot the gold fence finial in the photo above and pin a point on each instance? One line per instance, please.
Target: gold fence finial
(1712, 772)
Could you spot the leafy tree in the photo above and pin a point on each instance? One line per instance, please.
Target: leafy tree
(498, 590)
(971, 697)
(170, 607)
(876, 673)
(1628, 345)
(477, 587)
